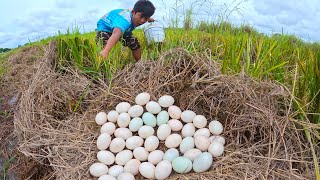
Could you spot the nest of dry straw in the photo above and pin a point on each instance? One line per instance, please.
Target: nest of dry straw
(262, 142)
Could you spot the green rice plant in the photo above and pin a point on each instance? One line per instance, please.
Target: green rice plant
(5, 167)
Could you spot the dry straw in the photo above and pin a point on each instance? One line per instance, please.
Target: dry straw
(262, 140)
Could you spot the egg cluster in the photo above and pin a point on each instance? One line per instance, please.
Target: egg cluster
(130, 137)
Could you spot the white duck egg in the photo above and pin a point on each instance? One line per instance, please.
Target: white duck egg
(146, 131)
(135, 111)
(123, 157)
(135, 124)
(123, 120)
(108, 127)
(155, 157)
(132, 166)
(162, 118)
(186, 144)
(166, 101)
(175, 124)
(203, 132)
(173, 141)
(103, 141)
(174, 112)
(147, 170)
(98, 169)
(202, 162)
(215, 127)
(181, 164)
(123, 107)
(202, 142)
(142, 98)
(126, 176)
(192, 153)
(117, 145)
(187, 116)
(170, 154)
(123, 133)
(101, 118)
(219, 139)
(188, 130)
(151, 143)
(199, 121)
(107, 177)
(163, 170)
(216, 149)
(134, 142)
(113, 116)
(140, 153)
(153, 107)
(115, 170)
(149, 119)
(106, 157)
(163, 132)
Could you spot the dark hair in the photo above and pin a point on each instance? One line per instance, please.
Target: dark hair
(145, 7)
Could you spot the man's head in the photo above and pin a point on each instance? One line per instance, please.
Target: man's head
(142, 11)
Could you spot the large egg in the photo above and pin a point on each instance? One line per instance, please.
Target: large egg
(151, 143)
(123, 107)
(146, 131)
(162, 118)
(188, 130)
(216, 149)
(163, 170)
(199, 121)
(107, 177)
(174, 112)
(181, 165)
(115, 170)
(166, 101)
(149, 119)
(202, 162)
(140, 153)
(163, 132)
(134, 142)
(123, 157)
(155, 157)
(175, 124)
(106, 157)
(113, 116)
(135, 111)
(135, 124)
(186, 144)
(126, 176)
(123, 120)
(117, 145)
(98, 169)
(132, 166)
(219, 139)
(103, 141)
(142, 98)
(101, 118)
(147, 170)
(153, 107)
(215, 127)
(202, 142)
(123, 133)
(203, 132)
(187, 116)
(170, 154)
(173, 141)
(192, 153)
(108, 127)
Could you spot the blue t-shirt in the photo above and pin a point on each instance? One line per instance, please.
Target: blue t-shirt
(120, 18)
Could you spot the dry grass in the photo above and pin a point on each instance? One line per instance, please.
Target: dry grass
(262, 139)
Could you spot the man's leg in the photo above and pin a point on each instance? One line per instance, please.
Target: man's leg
(133, 43)
(137, 54)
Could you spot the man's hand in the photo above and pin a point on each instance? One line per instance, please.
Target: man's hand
(151, 20)
(103, 54)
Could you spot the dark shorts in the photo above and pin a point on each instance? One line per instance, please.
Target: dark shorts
(129, 40)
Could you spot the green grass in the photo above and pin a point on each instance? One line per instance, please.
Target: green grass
(6, 165)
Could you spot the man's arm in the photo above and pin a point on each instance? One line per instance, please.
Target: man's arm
(114, 38)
